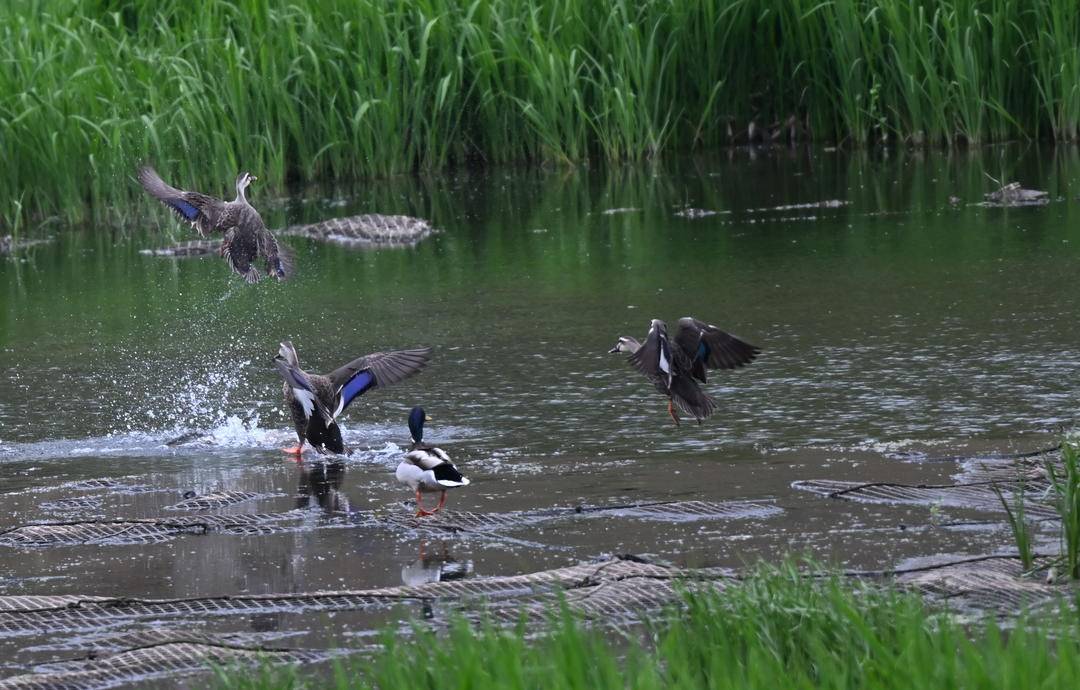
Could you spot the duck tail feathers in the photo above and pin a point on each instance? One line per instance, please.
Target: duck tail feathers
(689, 398)
(447, 475)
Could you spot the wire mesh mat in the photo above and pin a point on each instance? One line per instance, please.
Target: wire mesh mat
(147, 663)
(156, 530)
(218, 499)
(973, 496)
(366, 229)
(141, 530)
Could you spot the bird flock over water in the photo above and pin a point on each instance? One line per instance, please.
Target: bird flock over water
(676, 366)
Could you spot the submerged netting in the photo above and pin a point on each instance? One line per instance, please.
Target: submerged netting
(611, 592)
(974, 496)
(366, 229)
(993, 583)
(141, 530)
(37, 614)
(218, 499)
(156, 530)
(148, 663)
(667, 511)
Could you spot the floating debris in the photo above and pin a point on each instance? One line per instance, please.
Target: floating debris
(693, 213)
(187, 249)
(614, 211)
(369, 229)
(1013, 194)
(10, 245)
(828, 203)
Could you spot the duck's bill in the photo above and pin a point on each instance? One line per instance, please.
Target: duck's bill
(613, 350)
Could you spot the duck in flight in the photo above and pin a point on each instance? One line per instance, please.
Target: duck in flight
(245, 237)
(427, 468)
(676, 366)
(315, 401)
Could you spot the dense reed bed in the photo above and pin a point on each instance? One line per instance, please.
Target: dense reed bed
(346, 89)
(776, 630)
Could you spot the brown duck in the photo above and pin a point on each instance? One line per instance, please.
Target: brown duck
(246, 238)
(676, 366)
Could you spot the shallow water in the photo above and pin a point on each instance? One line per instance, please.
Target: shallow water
(895, 326)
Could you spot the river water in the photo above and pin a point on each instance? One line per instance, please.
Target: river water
(896, 327)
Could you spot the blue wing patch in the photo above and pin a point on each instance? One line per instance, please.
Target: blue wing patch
(357, 385)
(186, 210)
(702, 351)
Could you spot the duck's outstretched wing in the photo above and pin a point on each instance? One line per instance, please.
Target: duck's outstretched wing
(205, 213)
(708, 347)
(377, 370)
(654, 358)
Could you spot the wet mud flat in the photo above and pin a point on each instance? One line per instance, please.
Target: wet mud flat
(82, 605)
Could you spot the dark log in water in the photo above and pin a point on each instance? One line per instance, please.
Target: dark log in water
(1013, 194)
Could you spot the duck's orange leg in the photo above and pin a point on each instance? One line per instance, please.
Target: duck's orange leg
(420, 512)
(671, 411)
(442, 502)
(297, 450)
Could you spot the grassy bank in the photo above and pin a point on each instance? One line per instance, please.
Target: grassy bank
(344, 89)
(776, 630)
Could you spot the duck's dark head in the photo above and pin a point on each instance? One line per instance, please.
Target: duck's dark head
(416, 423)
(243, 181)
(626, 344)
(287, 353)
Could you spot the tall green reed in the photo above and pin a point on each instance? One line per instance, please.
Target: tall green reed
(348, 89)
(1065, 488)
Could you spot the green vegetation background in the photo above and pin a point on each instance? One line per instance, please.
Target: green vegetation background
(347, 89)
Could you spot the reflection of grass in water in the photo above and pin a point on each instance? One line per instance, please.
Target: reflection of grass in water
(777, 629)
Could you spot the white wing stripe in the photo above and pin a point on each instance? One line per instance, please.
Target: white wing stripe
(306, 399)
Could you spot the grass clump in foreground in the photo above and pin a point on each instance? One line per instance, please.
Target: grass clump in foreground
(778, 629)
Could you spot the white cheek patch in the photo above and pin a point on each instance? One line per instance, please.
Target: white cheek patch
(306, 399)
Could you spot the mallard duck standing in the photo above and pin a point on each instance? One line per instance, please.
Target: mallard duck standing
(316, 401)
(426, 468)
(676, 365)
(245, 235)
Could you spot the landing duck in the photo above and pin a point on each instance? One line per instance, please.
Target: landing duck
(427, 468)
(316, 401)
(676, 366)
(245, 239)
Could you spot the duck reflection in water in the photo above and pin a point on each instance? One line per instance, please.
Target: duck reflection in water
(320, 485)
(435, 566)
